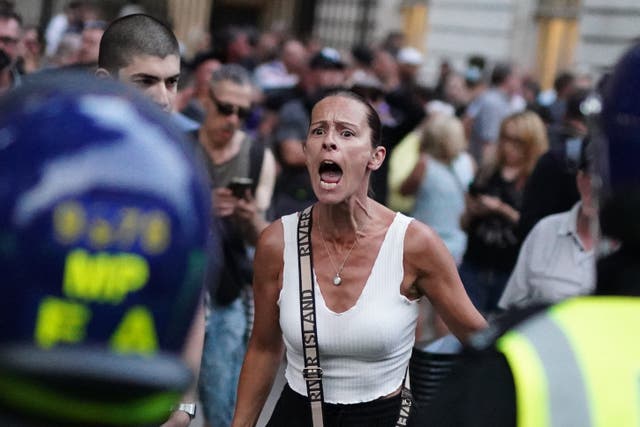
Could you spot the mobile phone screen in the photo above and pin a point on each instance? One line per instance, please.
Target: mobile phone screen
(239, 186)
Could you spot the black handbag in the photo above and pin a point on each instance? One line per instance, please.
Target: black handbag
(430, 365)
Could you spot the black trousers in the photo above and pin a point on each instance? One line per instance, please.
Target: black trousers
(293, 410)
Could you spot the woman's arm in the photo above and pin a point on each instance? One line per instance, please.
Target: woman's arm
(472, 209)
(265, 349)
(434, 273)
(191, 355)
(411, 184)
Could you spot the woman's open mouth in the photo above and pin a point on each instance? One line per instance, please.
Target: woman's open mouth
(330, 174)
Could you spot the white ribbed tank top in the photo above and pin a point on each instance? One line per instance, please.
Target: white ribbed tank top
(365, 350)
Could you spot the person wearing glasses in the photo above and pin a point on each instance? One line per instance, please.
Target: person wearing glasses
(10, 29)
(493, 209)
(242, 177)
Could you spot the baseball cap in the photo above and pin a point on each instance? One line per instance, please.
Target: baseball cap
(410, 56)
(327, 58)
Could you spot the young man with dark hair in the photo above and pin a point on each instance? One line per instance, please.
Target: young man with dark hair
(142, 51)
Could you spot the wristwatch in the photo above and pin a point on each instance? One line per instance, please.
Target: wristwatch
(188, 408)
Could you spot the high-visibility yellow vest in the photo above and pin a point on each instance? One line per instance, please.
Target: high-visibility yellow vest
(577, 364)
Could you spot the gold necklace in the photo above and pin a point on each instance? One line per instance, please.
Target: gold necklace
(337, 279)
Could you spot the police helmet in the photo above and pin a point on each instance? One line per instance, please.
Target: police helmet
(103, 232)
(618, 157)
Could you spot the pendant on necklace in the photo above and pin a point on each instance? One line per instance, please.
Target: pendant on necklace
(337, 280)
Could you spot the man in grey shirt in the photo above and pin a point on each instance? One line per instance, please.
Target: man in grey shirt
(485, 114)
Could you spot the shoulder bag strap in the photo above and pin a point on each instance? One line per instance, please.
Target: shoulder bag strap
(405, 402)
(312, 372)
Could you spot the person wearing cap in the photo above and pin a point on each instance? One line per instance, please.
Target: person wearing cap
(409, 60)
(293, 188)
(574, 363)
(404, 96)
(104, 221)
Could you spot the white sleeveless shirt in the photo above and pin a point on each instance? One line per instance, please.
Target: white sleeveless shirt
(364, 351)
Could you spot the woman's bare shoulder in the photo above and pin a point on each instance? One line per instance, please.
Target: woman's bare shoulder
(271, 239)
(421, 240)
(268, 260)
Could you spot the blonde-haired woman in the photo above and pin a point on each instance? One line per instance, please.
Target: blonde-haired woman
(439, 181)
(444, 173)
(492, 209)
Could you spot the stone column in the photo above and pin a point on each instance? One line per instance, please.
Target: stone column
(190, 20)
(558, 34)
(415, 22)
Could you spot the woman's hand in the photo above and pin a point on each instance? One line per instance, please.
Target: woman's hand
(475, 207)
(246, 209)
(250, 219)
(490, 203)
(495, 205)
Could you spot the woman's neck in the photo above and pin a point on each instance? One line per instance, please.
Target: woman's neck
(344, 220)
(510, 172)
(513, 174)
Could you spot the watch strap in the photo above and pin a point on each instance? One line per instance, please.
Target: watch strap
(188, 408)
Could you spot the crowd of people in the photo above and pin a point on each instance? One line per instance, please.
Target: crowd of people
(433, 207)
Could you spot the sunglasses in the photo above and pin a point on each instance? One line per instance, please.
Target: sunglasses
(511, 138)
(227, 109)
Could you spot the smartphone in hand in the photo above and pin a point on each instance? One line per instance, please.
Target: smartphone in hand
(239, 186)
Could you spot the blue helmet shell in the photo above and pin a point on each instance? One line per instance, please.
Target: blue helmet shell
(617, 137)
(620, 122)
(104, 223)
